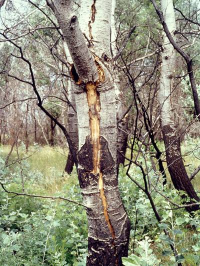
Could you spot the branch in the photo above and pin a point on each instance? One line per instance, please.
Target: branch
(195, 173)
(168, 33)
(191, 21)
(158, 217)
(119, 120)
(40, 102)
(15, 101)
(42, 197)
(46, 16)
(19, 79)
(83, 60)
(141, 58)
(30, 31)
(124, 43)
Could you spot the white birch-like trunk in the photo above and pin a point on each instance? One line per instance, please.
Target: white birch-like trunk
(122, 121)
(95, 97)
(72, 125)
(171, 137)
(168, 66)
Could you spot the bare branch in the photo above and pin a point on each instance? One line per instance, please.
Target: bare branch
(195, 173)
(141, 58)
(191, 21)
(46, 15)
(42, 197)
(15, 101)
(124, 43)
(40, 101)
(30, 31)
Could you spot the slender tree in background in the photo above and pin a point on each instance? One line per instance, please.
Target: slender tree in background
(168, 88)
(95, 97)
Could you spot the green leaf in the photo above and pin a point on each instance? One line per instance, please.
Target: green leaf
(180, 220)
(180, 258)
(166, 252)
(177, 232)
(163, 226)
(131, 260)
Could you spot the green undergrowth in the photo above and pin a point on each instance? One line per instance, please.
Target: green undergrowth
(43, 166)
(149, 245)
(54, 232)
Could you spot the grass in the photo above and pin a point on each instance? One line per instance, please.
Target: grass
(48, 163)
(41, 158)
(41, 230)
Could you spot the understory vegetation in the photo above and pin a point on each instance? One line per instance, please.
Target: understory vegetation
(38, 231)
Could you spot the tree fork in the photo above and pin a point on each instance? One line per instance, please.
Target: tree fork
(108, 224)
(97, 163)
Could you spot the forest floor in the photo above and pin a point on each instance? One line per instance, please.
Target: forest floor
(41, 171)
(50, 161)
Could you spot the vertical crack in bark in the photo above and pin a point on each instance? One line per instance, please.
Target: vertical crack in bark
(105, 207)
(90, 31)
(93, 13)
(94, 116)
(93, 8)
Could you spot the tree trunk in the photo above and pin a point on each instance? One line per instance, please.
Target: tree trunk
(108, 224)
(26, 128)
(122, 118)
(35, 128)
(122, 135)
(72, 125)
(171, 137)
(52, 133)
(176, 167)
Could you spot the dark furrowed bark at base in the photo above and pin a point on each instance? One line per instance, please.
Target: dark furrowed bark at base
(176, 166)
(103, 253)
(108, 225)
(103, 248)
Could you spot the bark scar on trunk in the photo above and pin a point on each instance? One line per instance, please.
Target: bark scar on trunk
(93, 8)
(93, 13)
(74, 75)
(93, 98)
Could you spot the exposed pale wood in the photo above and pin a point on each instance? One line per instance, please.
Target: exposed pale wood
(96, 107)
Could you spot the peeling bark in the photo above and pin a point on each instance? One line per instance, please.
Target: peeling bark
(109, 225)
(96, 106)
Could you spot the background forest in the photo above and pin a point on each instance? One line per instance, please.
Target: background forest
(42, 215)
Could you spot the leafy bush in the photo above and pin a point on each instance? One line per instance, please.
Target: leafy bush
(45, 232)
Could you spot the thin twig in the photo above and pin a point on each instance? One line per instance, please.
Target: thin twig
(42, 197)
(195, 173)
(124, 43)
